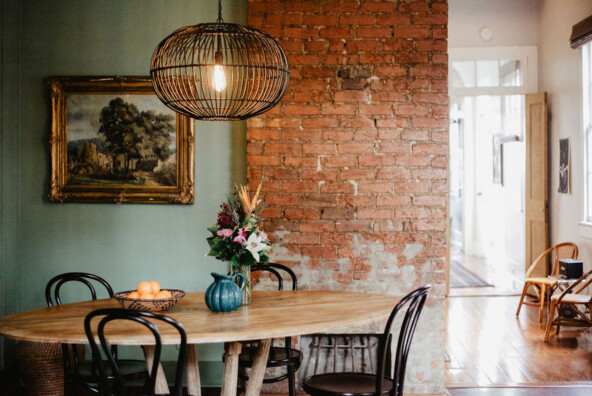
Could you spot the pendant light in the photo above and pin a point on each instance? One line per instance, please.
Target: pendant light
(219, 71)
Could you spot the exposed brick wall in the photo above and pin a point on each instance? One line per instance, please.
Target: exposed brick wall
(355, 157)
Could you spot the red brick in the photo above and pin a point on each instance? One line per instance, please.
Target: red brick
(412, 160)
(412, 32)
(356, 201)
(284, 19)
(379, 6)
(301, 109)
(425, 148)
(316, 123)
(317, 226)
(430, 226)
(300, 214)
(302, 6)
(303, 59)
(402, 187)
(357, 174)
(318, 200)
(397, 148)
(339, 7)
(393, 19)
(430, 122)
(337, 136)
(282, 148)
(390, 71)
(320, 148)
(376, 160)
(301, 162)
(282, 199)
(319, 251)
(263, 134)
(350, 96)
(375, 187)
(336, 33)
(338, 213)
(331, 109)
(319, 175)
(337, 188)
(301, 239)
(336, 239)
(428, 97)
(407, 213)
(366, 135)
(431, 45)
(429, 200)
(374, 32)
(376, 109)
(415, 135)
(363, 45)
(377, 214)
(395, 173)
(356, 19)
(319, 20)
(355, 148)
(393, 200)
(302, 135)
(300, 33)
(299, 187)
(353, 226)
(315, 46)
(338, 162)
(412, 109)
(431, 20)
(263, 160)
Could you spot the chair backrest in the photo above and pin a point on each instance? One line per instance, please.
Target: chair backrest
(559, 251)
(87, 279)
(413, 303)
(273, 269)
(114, 314)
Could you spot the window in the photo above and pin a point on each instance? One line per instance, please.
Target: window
(587, 118)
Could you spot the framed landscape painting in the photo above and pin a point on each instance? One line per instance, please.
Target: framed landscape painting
(113, 141)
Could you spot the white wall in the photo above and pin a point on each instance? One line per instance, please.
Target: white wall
(513, 22)
(560, 76)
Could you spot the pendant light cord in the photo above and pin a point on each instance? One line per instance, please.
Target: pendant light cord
(220, 20)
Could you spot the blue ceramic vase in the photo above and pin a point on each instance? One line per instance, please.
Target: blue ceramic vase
(224, 295)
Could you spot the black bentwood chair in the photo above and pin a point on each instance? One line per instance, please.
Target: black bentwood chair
(109, 387)
(279, 356)
(351, 384)
(79, 374)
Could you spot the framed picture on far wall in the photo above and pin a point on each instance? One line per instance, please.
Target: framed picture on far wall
(113, 141)
(564, 166)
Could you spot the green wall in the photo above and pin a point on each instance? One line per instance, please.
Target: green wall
(123, 243)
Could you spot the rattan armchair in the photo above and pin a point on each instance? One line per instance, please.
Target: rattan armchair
(544, 285)
(578, 303)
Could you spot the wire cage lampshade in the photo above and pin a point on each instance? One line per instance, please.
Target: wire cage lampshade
(219, 71)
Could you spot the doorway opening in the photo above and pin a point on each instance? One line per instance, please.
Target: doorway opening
(488, 168)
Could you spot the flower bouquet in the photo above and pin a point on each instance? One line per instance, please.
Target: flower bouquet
(236, 236)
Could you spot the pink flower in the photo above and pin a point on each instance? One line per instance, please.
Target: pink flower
(224, 233)
(263, 235)
(241, 237)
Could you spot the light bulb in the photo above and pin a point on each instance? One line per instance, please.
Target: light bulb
(219, 82)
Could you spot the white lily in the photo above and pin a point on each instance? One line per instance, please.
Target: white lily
(254, 244)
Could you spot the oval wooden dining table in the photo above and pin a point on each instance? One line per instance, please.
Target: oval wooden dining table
(271, 314)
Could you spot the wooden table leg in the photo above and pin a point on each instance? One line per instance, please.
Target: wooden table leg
(230, 378)
(162, 386)
(193, 381)
(258, 369)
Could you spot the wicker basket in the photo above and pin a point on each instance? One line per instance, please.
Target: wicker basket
(41, 367)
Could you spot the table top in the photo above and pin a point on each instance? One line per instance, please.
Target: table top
(271, 314)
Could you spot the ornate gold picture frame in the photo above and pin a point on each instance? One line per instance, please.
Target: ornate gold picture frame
(113, 141)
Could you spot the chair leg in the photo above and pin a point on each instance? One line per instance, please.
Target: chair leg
(522, 298)
(542, 298)
(550, 320)
(291, 381)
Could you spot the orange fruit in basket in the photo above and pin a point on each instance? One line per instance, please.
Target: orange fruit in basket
(146, 296)
(135, 295)
(144, 287)
(164, 294)
(155, 287)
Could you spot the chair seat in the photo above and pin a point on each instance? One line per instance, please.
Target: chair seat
(278, 357)
(345, 384)
(130, 369)
(542, 280)
(573, 298)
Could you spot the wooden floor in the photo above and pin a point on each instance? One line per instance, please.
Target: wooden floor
(487, 345)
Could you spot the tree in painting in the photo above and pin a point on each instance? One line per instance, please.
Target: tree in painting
(132, 136)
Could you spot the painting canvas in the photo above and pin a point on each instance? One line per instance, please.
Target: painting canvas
(114, 141)
(564, 166)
